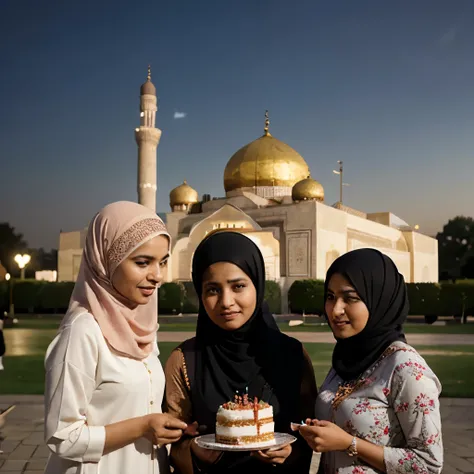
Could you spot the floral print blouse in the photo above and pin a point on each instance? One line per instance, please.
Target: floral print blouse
(394, 404)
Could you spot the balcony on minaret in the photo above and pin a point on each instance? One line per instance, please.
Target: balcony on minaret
(147, 118)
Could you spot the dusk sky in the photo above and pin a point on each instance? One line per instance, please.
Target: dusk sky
(387, 87)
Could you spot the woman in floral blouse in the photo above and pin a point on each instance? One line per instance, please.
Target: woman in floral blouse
(378, 409)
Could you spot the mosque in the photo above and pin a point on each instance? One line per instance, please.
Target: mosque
(272, 198)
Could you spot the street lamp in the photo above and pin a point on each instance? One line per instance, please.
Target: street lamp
(22, 261)
(10, 293)
(341, 184)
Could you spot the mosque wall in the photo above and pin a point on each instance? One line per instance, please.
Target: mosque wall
(70, 254)
(363, 233)
(424, 257)
(301, 240)
(69, 262)
(331, 242)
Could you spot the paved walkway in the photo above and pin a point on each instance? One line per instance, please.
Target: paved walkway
(327, 337)
(25, 453)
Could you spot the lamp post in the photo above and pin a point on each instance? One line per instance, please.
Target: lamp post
(341, 183)
(8, 277)
(22, 261)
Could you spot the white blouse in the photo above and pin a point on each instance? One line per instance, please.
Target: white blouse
(88, 386)
(395, 404)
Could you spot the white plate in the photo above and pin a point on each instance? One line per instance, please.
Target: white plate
(281, 439)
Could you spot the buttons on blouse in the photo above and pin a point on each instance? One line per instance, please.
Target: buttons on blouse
(149, 371)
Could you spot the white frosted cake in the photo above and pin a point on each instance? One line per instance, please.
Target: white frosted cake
(244, 422)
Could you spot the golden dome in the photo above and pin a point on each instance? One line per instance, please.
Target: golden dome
(266, 161)
(183, 194)
(307, 189)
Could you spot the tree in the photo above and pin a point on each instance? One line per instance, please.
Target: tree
(11, 243)
(455, 246)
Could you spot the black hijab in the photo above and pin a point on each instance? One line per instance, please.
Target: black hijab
(382, 288)
(257, 355)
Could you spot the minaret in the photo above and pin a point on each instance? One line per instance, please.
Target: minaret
(147, 137)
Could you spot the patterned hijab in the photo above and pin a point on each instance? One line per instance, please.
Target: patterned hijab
(113, 234)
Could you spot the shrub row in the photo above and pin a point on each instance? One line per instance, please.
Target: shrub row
(305, 296)
(31, 296)
(426, 299)
(175, 298)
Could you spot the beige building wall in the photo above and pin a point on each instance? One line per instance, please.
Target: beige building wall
(364, 233)
(424, 257)
(331, 237)
(70, 254)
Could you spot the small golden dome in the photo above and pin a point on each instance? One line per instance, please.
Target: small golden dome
(183, 194)
(266, 161)
(307, 189)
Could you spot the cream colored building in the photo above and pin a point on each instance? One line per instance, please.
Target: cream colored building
(272, 198)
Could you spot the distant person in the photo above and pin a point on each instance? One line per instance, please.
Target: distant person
(104, 381)
(2, 340)
(378, 409)
(238, 347)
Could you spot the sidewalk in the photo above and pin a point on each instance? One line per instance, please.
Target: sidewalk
(25, 452)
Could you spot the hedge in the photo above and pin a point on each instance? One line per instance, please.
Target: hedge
(4, 295)
(273, 296)
(306, 296)
(181, 297)
(426, 299)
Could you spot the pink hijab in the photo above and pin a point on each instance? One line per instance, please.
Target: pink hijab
(114, 233)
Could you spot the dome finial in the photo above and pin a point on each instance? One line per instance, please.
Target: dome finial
(148, 78)
(267, 124)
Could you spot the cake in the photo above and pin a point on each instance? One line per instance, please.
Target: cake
(244, 422)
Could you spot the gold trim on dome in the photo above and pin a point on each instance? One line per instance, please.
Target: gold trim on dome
(267, 125)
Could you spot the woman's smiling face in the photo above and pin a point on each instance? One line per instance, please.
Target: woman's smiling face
(228, 295)
(347, 313)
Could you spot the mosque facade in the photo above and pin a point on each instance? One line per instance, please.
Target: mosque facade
(272, 198)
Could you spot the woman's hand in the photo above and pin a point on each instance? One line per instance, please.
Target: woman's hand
(273, 456)
(162, 428)
(208, 456)
(324, 436)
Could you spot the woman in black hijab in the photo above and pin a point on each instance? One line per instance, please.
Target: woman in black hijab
(378, 409)
(238, 347)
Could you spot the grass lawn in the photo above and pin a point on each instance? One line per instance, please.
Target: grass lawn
(24, 368)
(52, 322)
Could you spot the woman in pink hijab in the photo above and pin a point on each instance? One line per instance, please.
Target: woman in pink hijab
(104, 381)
